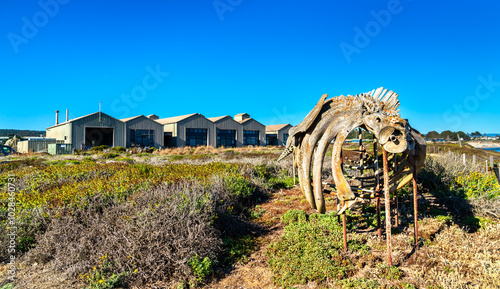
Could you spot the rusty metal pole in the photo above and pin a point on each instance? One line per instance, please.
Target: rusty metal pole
(293, 166)
(342, 167)
(396, 195)
(377, 190)
(415, 204)
(387, 208)
(344, 228)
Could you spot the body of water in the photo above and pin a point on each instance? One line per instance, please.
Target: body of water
(492, 149)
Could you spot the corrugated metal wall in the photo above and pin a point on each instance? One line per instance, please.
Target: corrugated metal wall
(145, 123)
(195, 121)
(61, 132)
(281, 133)
(92, 120)
(26, 146)
(252, 124)
(230, 123)
(60, 149)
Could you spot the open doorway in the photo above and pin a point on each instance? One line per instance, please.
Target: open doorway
(98, 136)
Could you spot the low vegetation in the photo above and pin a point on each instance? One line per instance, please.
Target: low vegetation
(311, 249)
(188, 217)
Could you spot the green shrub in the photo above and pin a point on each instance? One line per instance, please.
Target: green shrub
(99, 148)
(389, 272)
(151, 150)
(89, 159)
(118, 149)
(477, 185)
(257, 212)
(126, 160)
(281, 182)
(405, 285)
(110, 155)
(102, 276)
(201, 268)
(294, 216)
(64, 162)
(238, 249)
(444, 219)
(476, 222)
(177, 157)
(239, 186)
(310, 250)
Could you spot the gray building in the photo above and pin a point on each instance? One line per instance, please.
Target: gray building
(254, 133)
(150, 131)
(142, 131)
(228, 132)
(88, 131)
(35, 145)
(277, 134)
(99, 128)
(188, 130)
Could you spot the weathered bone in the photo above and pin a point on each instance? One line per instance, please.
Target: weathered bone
(332, 120)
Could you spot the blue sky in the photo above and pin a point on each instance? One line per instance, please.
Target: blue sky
(271, 59)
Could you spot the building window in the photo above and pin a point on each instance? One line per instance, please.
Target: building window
(251, 137)
(196, 136)
(285, 138)
(271, 139)
(226, 138)
(142, 138)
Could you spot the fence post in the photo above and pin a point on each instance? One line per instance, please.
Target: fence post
(464, 159)
(474, 160)
(387, 209)
(491, 162)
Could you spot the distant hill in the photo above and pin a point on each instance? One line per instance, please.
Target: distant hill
(21, 132)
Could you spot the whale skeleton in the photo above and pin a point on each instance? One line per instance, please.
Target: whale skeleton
(331, 120)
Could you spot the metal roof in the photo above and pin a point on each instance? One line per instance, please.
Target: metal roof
(74, 119)
(217, 118)
(276, 127)
(130, 118)
(249, 119)
(175, 118)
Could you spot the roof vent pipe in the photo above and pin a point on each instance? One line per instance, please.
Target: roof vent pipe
(67, 115)
(57, 117)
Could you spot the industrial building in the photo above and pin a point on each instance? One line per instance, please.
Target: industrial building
(90, 130)
(98, 129)
(254, 133)
(142, 131)
(277, 134)
(228, 132)
(194, 129)
(188, 130)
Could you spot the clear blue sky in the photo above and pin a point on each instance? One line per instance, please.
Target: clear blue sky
(271, 59)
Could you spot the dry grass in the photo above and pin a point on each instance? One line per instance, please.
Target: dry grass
(156, 234)
(457, 259)
(211, 150)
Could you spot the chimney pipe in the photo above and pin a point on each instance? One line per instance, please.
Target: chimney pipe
(67, 115)
(57, 117)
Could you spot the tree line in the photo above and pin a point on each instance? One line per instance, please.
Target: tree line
(21, 132)
(452, 135)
